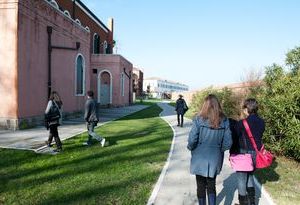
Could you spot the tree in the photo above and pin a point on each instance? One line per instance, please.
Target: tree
(293, 59)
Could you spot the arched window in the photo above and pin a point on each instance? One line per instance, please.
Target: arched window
(122, 84)
(96, 44)
(104, 47)
(80, 75)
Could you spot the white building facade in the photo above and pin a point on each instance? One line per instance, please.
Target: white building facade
(160, 88)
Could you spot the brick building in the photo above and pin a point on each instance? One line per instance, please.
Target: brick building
(138, 80)
(56, 45)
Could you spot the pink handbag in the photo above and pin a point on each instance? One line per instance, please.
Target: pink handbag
(241, 162)
(264, 158)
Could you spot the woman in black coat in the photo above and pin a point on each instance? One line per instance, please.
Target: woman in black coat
(54, 103)
(242, 144)
(180, 108)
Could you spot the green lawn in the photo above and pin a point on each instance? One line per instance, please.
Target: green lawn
(172, 104)
(122, 173)
(282, 181)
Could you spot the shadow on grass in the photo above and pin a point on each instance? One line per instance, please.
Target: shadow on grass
(144, 152)
(105, 153)
(268, 174)
(99, 192)
(84, 166)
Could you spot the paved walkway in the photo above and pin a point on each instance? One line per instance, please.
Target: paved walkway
(177, 186)
(34, 139)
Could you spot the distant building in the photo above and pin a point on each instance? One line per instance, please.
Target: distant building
(138, 79)
(161, 88)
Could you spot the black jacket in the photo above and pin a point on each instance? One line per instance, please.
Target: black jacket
(241, 139)
(181, 106)
(91, 114)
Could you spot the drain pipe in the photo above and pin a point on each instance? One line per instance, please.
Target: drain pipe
(50, 48)
(129, 78)
(49, 31)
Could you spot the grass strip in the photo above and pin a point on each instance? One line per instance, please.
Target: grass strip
(122, 173)
(282, 181)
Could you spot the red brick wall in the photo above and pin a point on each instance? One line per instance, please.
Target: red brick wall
(87, 21)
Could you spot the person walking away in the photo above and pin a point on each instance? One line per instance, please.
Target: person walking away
(181, 107)
(209, 137)
(91, 118)
(53, 119)
(245, 180)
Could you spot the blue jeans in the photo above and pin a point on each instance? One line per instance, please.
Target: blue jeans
(92, 134)
(244, 180)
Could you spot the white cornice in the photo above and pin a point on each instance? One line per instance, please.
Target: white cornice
(89, 15)
(61, 12)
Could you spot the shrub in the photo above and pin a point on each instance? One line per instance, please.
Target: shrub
(279, 99)
(280, 102)
(229, 101)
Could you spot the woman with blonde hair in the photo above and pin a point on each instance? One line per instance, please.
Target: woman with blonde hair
(209, 137)
(53, 117)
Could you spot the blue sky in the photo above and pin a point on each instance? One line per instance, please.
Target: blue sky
(202, 42)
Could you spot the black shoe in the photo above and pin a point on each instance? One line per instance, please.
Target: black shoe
(48, 144)
(251, 195)
(243, 200)
(178, 125)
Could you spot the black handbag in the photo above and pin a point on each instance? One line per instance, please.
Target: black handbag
(54, 113)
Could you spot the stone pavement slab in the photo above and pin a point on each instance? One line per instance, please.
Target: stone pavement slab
(33, 139)
(177, 186)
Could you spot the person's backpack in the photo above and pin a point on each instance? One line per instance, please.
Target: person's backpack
(53, 113)
(185, 107)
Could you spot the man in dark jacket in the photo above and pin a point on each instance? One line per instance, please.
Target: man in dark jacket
(91, 118)
(180, 108)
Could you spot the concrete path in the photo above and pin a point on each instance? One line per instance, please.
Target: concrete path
(177, 187)
(34, 139)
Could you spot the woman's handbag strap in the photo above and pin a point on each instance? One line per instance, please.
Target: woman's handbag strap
(249, 133)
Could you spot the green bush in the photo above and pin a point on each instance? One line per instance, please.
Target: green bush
(229, 101)
(279, 100)
(280, 103)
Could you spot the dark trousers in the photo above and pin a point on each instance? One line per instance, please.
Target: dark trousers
(180, 117)
(54, 134)
(205, 184)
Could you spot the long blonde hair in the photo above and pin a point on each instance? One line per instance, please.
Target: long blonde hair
(211, 110)
(54, 96)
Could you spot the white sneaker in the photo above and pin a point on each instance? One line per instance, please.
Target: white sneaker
(102, 142)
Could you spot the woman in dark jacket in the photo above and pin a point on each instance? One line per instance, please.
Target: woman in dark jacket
(54, 100)
(180, 108)
(209, 137)
(245, 180)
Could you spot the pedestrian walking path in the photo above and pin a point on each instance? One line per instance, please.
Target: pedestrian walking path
(34, 139)
(176, 186)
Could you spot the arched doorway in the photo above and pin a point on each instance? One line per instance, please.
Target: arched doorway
(105, 88)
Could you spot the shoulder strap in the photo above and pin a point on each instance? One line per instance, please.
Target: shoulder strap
(249, 133)
(55, 104)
